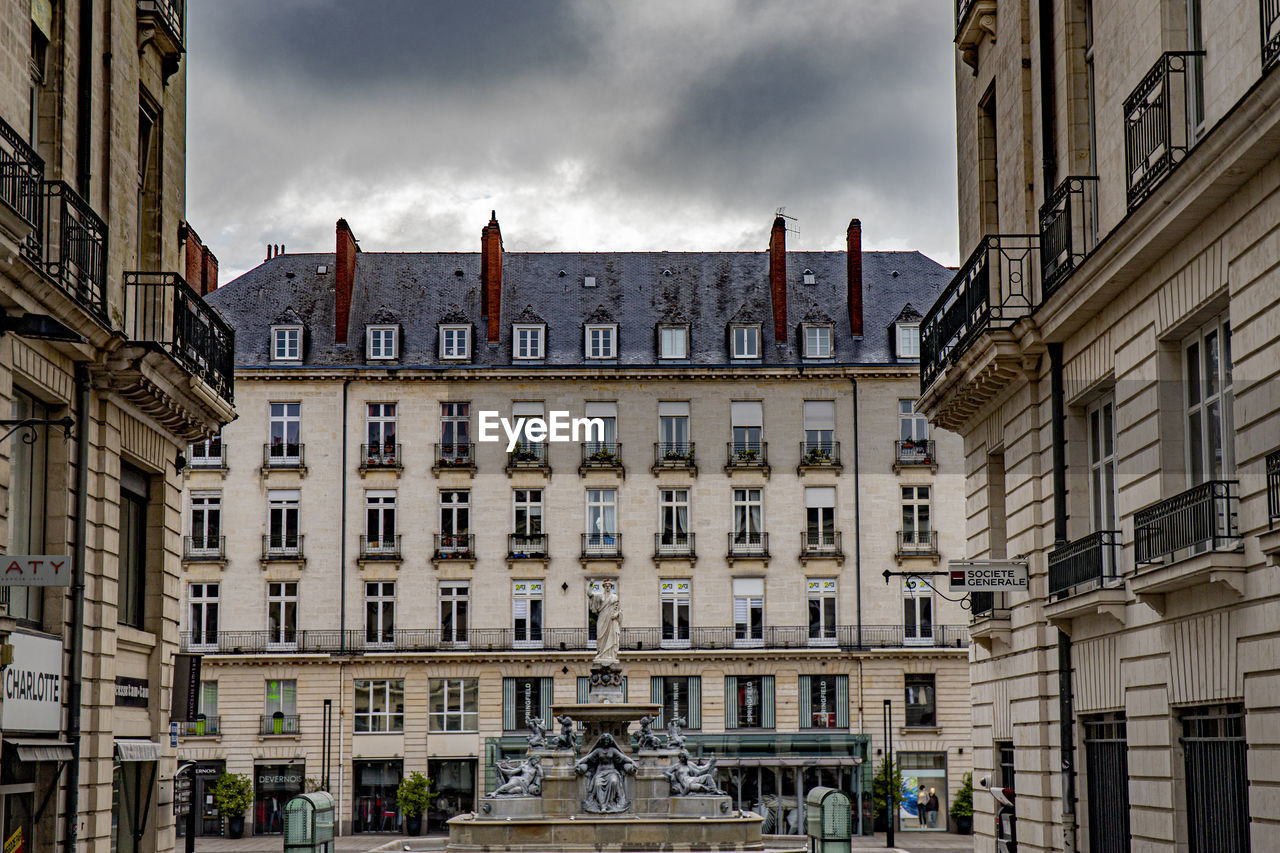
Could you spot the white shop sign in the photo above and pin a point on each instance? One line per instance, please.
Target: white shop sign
(35, 570)
(32, 685)
(987, 575)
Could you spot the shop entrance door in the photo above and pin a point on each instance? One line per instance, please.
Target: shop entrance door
(455, 780)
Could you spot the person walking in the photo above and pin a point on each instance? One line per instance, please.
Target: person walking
(922, 799)
(931, 808)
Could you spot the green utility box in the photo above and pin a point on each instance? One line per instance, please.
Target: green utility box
(828, 821)
(308, 823)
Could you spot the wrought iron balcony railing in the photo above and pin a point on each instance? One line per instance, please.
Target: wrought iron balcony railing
(1068, 230)
(674, 544)
(1273, 485)
(213, 457)
(527, 546)
(284, 455)
(922, 452)
(997, 286)
(917, 543)
(1270, 33)
(459, 456)
(673, 454)
(197, 548)
(162, 309)
(72, 248)
(381, 457)
(748, 454)
(601, 454)
(746, 544)
(170, 14)
(21, 172)
(278, 724)
(282, 546)
(601, 545)
(1089, 560)
(1161, 119)
(455, 546)
(531, 454)
(819, 543)
(986, 605)
(380, 547)
(205, 726)
(820, 454)
(1203, 518)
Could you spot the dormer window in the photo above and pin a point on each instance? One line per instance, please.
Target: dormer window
(673, 342)
(817, 341)
(809, 277)
(383, 343)
(908, 340)
(526, 342)
(286, 343)
(602, 341)
(745, 341)
(455, 342)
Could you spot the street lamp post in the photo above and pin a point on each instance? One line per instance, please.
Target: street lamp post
(891, 801)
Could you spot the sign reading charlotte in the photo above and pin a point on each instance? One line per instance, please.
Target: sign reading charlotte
(987, 576)
(33, 685)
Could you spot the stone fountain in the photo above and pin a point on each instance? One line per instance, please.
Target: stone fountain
(598, 791)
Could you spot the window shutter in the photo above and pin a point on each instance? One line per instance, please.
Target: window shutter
(655, 698)
(806, 701)
(740, 610)
(746, 413)
(544, 708)
(508, 704)
(842, 701)
(695, 702)
(766, 702)
(731, 701)
(584, 689)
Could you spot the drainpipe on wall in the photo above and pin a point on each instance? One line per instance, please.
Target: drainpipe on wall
(857, 517)
(71, 816)
(342, 525)
(1048, 143)
(84, 101)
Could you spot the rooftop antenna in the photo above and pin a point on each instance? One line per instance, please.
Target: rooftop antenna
(793, 224)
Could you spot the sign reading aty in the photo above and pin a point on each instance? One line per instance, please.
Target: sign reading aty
(41, 570)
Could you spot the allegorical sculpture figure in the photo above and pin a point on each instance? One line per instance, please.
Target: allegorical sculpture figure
(645, 738)
(567, 736)
(688, 778)
(675, 740)
(537, 736)
(519, 779)
(605, 767)
(608, 624)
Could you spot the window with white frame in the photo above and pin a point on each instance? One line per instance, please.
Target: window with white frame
(817, 341)
(676, 601)
(455, 431)
(746, 341)
(455, 604)
(527, 512)
(206, 523)
(819, 427)
(820, 518)
(379, 613)
(673, 341)
(748, 611)
(746, 419)
(673, 429)
(1209, 399)
(380, 519)
(380, 427)
(208, 705)
(202, 611)
(602, 518)
(286, 343)
(748, 517)
(908, 340)
(673, 520)
(602, 341)
(383, 342)
(285, 429)
(282, 521)
(1100, 418)
(455, 342)
(822, 610)
(455, 520)
(453, 705)
(526, 612)
(606, 439)
(207, 453)
(917, 612)
(528, 410)
(526, 342)
(282, 613)
(912, 426)
(916, 523)
(282, 697)
(379, 705)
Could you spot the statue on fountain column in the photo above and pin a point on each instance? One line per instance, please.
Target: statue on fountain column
(537, 736)
(675, 740)
(605, 766)
(522, 779)
(567, 736)
(645, 738)
(608, 625)
(688, 778)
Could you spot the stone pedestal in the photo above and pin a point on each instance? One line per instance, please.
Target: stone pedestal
(653, 791)
(560, 794)
(701, 806)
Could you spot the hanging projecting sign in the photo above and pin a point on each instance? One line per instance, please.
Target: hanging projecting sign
(987, 575)
(41, 570)
(33, 685)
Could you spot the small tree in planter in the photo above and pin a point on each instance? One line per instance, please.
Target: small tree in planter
(962, 806)
(414, 796)
(886, 786)
(232, 796)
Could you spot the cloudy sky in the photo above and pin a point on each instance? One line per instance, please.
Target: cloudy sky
(587, 124)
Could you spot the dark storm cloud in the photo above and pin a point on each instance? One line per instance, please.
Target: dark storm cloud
(588, 125)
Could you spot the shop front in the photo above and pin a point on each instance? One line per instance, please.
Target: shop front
(273, 786)
(454, 779)
(376, 783)
(924, 775)
(203, 776)
(133, 791)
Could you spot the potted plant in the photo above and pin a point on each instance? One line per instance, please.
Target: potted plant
(886, 791)
(414, 797)
(232, 796)
(962, 806)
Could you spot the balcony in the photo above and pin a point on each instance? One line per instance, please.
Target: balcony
(821, 545)
(974, 19)
(374, 548)
(162, 310)
(601, 546)
(278, 724)
(674, 456)
(995, 288)
(1082, 577)
(212, 458)
(284, 456)
(1161, 121)
(1192, 538)
(601, 456)
(1273, 489)
(380, 457)
(283, 547)
(673, 545)
(530, 456)
(70, 246)
(162, 23)
(921, 453)
(206, 726)
(991, 623)
(1270, 34)
(204, 549)
(749, 545)
(21, 172)
(531, 546)
(1068, 230)
(819, 456)
(917, 543)
(453, 457)
(454, 546)
(747, 456)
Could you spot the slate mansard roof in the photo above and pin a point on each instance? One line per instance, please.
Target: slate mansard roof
(637, 290)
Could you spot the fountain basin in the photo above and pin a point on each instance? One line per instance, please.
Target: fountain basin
(738, 831)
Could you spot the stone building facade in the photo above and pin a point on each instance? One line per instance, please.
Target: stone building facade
(1108, 354)
(109, 367)
(376, 591)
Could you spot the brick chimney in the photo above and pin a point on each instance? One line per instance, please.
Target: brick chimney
(853, 240)
(209, 283)
(491, 276)
(200, 265)
(344, 277)
(778, 278)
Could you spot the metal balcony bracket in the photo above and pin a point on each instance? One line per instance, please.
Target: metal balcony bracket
(1107, 602)
(27, 426)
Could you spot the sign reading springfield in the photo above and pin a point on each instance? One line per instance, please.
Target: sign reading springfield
(987, 575)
